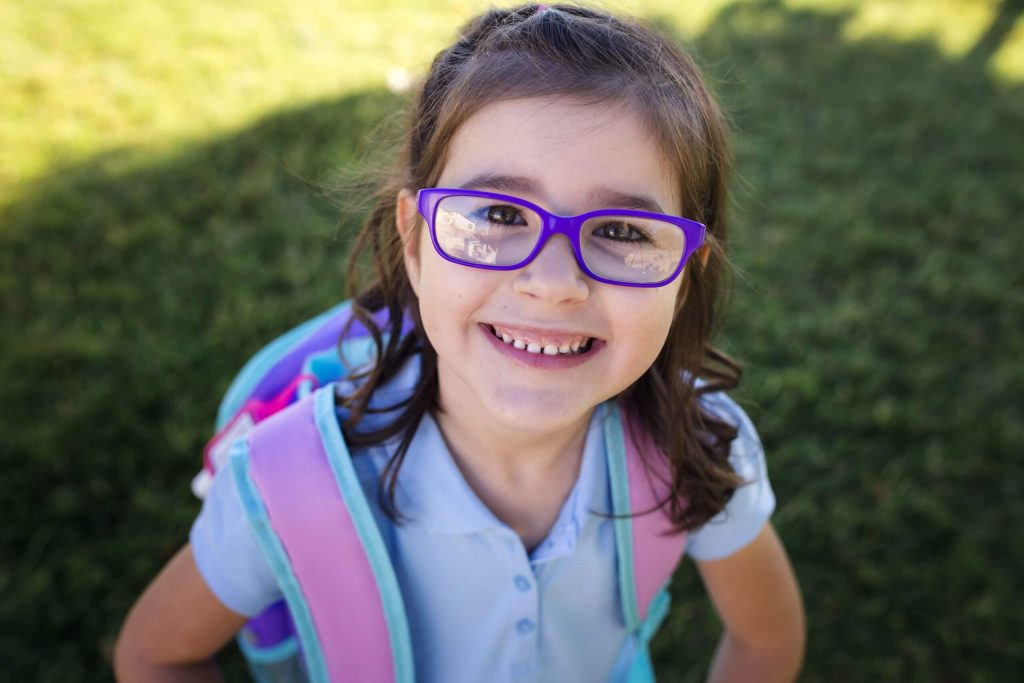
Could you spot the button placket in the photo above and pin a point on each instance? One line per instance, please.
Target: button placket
(525, 625)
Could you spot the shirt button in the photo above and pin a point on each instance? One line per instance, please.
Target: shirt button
(522, 583)
(524, 626)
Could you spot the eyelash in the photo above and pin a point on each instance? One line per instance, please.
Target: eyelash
(634, 234)
(487, 211)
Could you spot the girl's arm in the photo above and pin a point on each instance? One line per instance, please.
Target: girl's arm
(175, 628)
(758, 600)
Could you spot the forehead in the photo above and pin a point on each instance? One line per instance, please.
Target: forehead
(569, 155)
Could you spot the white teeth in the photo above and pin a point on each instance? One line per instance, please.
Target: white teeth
(536, 347)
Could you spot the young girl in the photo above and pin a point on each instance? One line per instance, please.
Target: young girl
(547, 261)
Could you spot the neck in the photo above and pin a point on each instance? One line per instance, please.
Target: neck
(511, 452)
(522, 476)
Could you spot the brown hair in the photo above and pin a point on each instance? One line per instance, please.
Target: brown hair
(566, 50)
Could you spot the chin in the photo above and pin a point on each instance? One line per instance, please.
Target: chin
(537, 412)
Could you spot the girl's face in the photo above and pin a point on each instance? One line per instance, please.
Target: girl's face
(567, 157)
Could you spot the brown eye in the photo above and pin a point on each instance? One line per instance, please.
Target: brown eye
(504, 215)
(620, 232)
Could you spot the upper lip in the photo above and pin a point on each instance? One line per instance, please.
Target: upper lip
(536, 331)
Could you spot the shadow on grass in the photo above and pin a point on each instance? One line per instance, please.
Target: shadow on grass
(130, 294)
(877, 238)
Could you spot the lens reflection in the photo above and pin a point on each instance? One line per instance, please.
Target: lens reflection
(484, 231)
(631, 249)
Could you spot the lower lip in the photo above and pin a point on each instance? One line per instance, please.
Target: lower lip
(541, 360)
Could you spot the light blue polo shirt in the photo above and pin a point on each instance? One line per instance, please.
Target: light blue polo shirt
(480, 608)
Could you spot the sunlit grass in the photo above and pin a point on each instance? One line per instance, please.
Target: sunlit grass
(1008, 61)
(80, 78)
(953, 25)
(83, 77)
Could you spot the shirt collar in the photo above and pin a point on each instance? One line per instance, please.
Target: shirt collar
(433, 493)
(583, 499)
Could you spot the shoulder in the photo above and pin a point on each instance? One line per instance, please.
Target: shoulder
(746, 454)
(388, 399)
(753, 502)
(725, 407)
(226, 549)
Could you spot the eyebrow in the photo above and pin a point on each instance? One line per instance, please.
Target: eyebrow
(604, 197)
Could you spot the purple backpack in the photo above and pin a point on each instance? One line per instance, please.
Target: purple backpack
(278, 435)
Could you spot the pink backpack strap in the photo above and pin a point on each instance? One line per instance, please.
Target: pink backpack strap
(648, 549)
(316, 529)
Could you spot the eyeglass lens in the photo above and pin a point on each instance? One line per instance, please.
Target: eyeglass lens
(485, 231)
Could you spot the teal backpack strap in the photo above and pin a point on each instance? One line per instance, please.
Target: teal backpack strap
(615, 449)
(648, 551)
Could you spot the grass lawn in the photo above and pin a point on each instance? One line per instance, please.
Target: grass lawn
(163, 213)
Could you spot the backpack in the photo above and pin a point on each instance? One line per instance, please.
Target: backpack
(282, 401)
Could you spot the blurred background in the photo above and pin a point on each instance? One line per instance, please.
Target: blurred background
(165, 210)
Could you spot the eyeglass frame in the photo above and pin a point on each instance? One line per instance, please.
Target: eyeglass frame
(428, 200)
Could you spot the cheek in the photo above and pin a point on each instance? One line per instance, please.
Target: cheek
(659, 330)
(683, 290)
(665, 306)
(647, 321)
(444, 293)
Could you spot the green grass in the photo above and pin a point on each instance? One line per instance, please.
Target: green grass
(161, 217)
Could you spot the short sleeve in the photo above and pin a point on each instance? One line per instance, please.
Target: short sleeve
(227, 551)
(753, 502)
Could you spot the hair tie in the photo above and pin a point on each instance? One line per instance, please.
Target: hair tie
(541, 9)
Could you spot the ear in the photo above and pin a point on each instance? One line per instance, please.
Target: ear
(406, 218)
(704, 253)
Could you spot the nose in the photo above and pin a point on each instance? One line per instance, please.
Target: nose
(553, 275)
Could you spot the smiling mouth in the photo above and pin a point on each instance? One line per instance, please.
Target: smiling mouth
(549, 346)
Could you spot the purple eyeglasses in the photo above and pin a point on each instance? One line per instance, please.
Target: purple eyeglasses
(501, 232)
